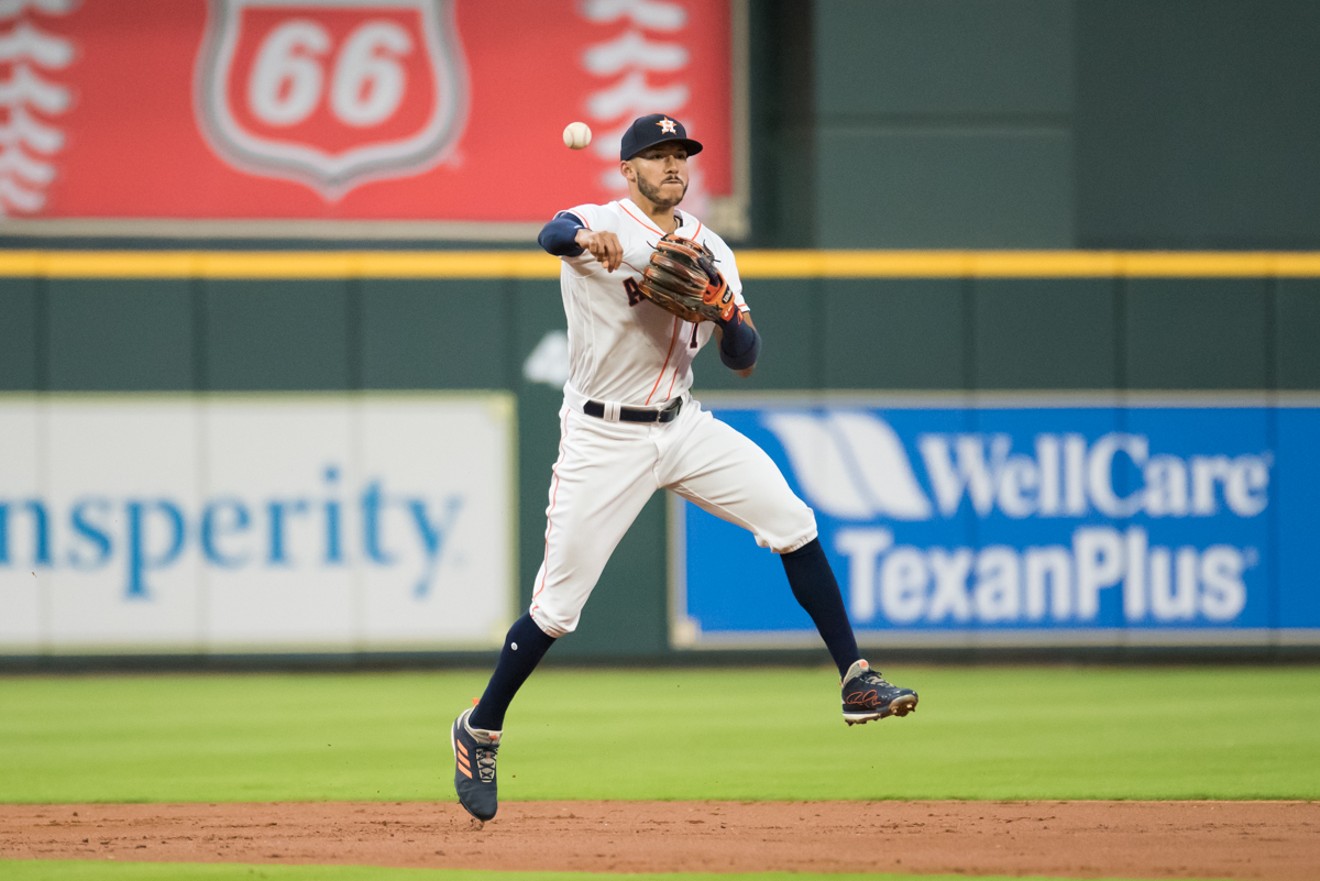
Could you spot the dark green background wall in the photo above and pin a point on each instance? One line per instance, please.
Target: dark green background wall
(956, 333)
(1127, 124)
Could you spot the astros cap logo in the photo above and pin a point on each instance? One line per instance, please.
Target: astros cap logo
(640, 135)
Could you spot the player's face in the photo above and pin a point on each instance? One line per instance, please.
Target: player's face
(662, 174)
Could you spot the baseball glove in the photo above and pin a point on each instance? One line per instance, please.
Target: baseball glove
(681, 278)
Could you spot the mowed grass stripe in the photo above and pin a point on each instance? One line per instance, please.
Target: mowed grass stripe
(768, 733)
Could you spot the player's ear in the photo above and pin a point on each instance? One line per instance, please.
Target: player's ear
(626, 169)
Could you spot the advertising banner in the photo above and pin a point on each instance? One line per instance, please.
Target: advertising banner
(1026, 523)
(233, 523)
(424, 111)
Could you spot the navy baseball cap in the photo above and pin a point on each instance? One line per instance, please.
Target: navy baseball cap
(655, 128)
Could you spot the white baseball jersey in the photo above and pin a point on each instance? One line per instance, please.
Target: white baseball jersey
(626, 351)
(622, 348)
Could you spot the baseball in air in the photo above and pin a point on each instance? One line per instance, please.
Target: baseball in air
(576, 135)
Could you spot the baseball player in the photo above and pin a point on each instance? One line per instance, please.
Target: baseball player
(645, 287)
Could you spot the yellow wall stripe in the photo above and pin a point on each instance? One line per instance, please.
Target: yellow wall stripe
(753, 264)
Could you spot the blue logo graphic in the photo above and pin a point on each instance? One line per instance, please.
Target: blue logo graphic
(1070, 518)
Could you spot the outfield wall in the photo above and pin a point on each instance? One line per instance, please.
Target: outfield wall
(1160, 403)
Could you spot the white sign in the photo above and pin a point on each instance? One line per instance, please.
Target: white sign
(219, 523)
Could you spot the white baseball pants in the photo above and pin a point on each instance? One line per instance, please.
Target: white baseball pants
(606, 473)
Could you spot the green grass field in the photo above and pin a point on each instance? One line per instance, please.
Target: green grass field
(745, 734)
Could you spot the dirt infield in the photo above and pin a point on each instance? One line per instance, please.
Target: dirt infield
(1277, 841)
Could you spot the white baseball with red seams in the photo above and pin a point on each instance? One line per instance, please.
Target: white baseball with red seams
(577, 135)
(627, 352)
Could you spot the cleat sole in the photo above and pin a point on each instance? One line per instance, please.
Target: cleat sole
(900, 707)
(903, 705)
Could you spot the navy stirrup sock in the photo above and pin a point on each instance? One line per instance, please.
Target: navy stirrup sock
(817, 591)
(524, 646)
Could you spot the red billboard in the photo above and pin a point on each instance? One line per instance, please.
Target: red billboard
(433, 111)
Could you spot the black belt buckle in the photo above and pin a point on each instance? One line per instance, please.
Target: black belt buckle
(637, 414)
(670, 412)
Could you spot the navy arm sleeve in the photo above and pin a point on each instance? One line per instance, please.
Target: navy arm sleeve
(740, 346)
(557, 236)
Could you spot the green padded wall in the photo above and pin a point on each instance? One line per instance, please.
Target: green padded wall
(894, 334)
(1296, 329)
(417, 333)
(1196, 334)
(969, 58)
(1196, 124)
(946, 123)
(277, 334)
(118, 335)
(20, 334)
(1035, 331)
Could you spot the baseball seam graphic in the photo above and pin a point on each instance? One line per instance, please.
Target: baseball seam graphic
(27, 142)
(647, 48)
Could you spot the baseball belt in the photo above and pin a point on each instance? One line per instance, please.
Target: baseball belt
(634, 414)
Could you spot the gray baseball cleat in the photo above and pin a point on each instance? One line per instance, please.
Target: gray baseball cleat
(867, 695)
(474, 767)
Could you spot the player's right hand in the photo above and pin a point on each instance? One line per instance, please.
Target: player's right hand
(603, 245)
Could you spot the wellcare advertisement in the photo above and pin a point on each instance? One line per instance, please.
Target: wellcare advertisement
(1160, 522)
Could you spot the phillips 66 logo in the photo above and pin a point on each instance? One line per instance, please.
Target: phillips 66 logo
(331, 93)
